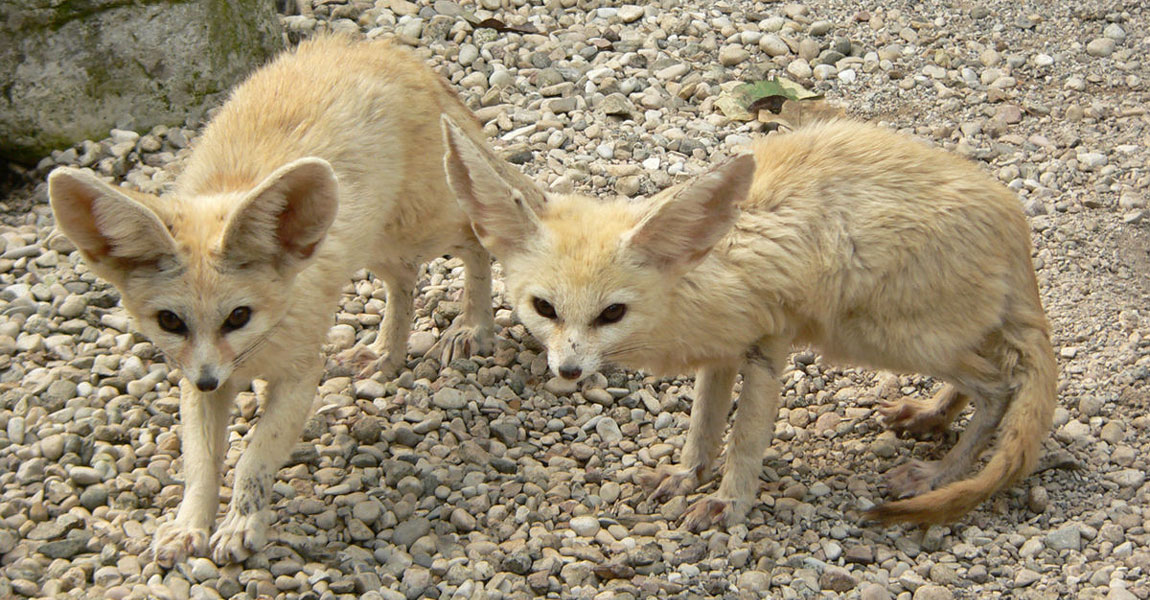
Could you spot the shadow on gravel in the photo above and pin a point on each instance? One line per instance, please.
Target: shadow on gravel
(17, 192)
(11, 177)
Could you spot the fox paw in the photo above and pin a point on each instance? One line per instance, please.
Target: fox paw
(668, 481)
(912, 417)
(362, 362)
(175, 542)
(238, 537)
(462, 341)
(912, 478)
(714, 511)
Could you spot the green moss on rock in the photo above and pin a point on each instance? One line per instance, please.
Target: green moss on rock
(78, 68)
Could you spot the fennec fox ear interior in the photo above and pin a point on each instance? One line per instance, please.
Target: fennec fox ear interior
(683, 227)
(501, 202)
(285, 218)
(114, 232)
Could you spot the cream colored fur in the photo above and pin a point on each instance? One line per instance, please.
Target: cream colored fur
(326, 161)
(873, 248)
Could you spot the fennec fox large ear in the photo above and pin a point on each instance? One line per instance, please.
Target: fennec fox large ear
(285, 218)
(501, 203)
(115, 233)
(684, 226)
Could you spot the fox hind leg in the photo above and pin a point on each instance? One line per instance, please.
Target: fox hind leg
(917, 417)
(387, 354)
(917, 477)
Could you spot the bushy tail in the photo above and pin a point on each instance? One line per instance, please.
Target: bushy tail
(1023, 428)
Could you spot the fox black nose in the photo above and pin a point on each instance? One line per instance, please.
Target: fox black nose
(207, 383)
(572, 372)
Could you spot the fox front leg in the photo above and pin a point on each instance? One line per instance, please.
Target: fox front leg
(704, 436)
(203, 437)
(751, 433)
(473, 332)
(244, 528)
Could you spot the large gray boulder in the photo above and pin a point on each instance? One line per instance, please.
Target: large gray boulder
(72, 70)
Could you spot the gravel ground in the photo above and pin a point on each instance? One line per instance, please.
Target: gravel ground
(488, 479)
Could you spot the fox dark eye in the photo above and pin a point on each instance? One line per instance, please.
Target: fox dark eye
(239, 317)
(170, 322)
(611, 314)
(544, 308)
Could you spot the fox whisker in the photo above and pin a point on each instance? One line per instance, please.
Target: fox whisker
(624, 350)
(254, 346)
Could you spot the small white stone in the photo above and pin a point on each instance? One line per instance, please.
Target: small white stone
(799, 68)
(202, 569)
(475, 79)
(608, 431)
(120, 136)
(467, 54)
(29, 342)
(1101, 47)
(820, 27)
(1092, 160)
(672, 72)
(610, 491)
(824, 72)
(772, 24)
(773, 45)
(585, 526)
(501, 78)
(560, 386)
(449, 399)
(730, 56)
(16, 430)
(420, 342)
(630, 13)
(341, 336)
(1115, 32)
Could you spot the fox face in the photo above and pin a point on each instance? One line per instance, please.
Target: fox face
(590, 278)
(577, 293)
(207, 278)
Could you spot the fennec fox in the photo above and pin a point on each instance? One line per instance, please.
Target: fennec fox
(868, 246)
(325, 161)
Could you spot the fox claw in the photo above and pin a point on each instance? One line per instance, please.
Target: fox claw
(912, 478)
(362, 362)
(713, 511)
(175, 542)
(909, 416)
(462, 341)
(667, 482)
(238, 537)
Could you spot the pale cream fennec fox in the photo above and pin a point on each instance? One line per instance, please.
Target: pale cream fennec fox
(326, 161)
(872, 248)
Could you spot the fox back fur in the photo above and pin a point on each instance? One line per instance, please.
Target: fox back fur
(871, 247)
(326, 161)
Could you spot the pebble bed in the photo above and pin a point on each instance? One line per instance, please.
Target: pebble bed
(488, 478)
